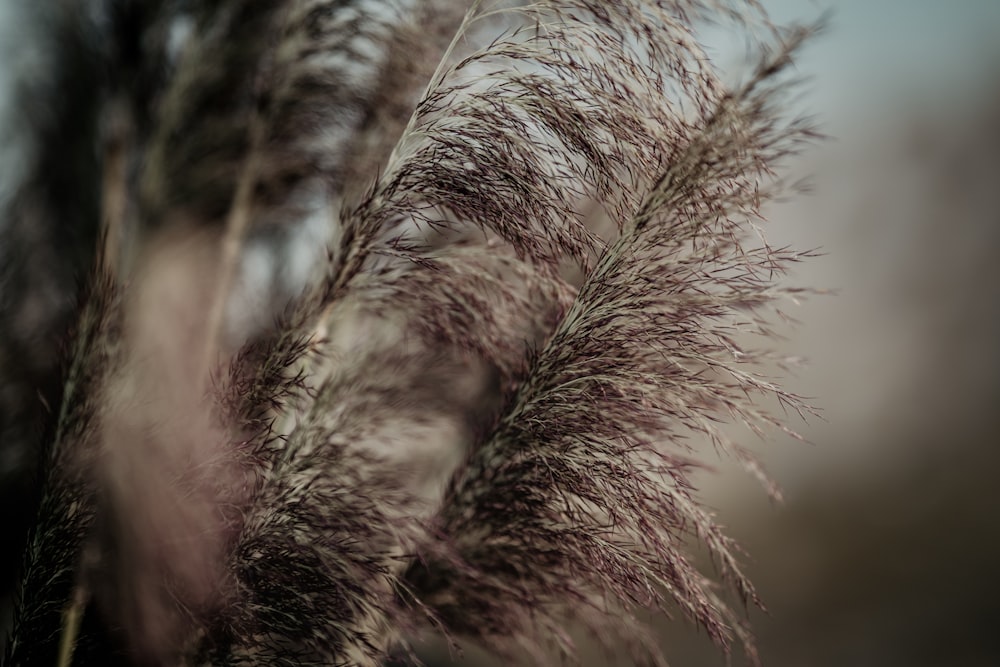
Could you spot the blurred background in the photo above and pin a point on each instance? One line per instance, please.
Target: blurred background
(885, 551)
(886, 548)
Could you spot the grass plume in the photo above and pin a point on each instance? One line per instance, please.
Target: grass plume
(481, 415)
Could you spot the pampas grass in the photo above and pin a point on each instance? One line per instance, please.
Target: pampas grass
(482, 414)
